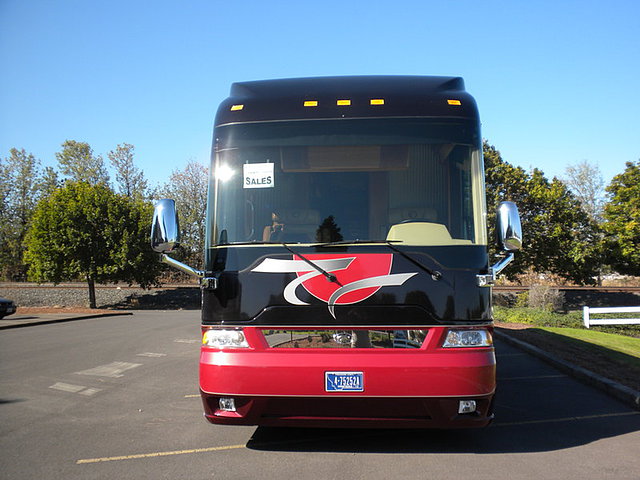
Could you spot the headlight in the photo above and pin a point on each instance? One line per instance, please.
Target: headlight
(224, 339)
(467, 338)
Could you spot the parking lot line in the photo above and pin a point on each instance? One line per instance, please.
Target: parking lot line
(158, 454)
(531, 377)
(112, 370)
(235, 447)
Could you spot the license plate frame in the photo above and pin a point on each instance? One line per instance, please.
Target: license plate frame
(344, 381)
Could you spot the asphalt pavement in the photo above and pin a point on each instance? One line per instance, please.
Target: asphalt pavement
(622, 393)
(117, 397)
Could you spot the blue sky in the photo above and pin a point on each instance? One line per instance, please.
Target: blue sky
(556, 81)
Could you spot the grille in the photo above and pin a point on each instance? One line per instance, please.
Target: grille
(358, 338)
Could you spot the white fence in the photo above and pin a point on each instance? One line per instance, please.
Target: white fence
(588, 321)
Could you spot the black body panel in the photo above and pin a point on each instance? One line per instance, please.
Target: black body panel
(404, 96)
(249, 298)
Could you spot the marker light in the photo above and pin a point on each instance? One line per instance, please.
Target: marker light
(467, 338)
(454, 102)
(343, 103)
(235, 108)
(311, 103)
(376, 101)
(224, 339)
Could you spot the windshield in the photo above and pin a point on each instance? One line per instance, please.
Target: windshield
(412, 181)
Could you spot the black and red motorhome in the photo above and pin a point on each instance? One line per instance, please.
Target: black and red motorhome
(346, 279)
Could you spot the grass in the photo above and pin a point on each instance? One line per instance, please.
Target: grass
(572, 320)
(618, 343)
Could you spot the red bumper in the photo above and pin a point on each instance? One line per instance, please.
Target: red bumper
(406, 388)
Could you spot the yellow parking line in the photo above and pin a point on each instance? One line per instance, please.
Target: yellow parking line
(192, 396)
(236, 447)
(158, 454)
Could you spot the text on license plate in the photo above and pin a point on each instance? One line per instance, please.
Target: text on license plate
(344, 381)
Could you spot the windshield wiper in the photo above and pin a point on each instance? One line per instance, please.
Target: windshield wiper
(329, 276)
(436, 275)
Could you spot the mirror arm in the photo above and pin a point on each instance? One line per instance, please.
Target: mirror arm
(181, 266)
(206, 283)
(489, 279)
(498, 267)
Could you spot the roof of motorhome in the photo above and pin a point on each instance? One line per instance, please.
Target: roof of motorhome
(346, 97)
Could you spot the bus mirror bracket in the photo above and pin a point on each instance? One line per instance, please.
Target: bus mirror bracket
(206, 282)
(509, 233)
(165, 238)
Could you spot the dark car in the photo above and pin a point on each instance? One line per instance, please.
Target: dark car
(7, 307)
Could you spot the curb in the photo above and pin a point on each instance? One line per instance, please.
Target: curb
(34, 322)
(625, 394)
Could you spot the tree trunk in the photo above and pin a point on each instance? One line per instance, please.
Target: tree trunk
(92, 292)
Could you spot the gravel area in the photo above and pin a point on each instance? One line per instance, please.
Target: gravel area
(106, 297)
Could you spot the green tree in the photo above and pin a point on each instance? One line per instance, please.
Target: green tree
(4, 217)
(559, 236)
(129, 178)
(88, 231)
(622, 215)
(77, 162)
(20, 190)
(49, 181)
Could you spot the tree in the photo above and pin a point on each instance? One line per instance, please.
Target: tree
(622, 215)
(20, 190)
(585, 181)
(559, 236)
(5, 216)
(77, 162)
(188, 187)
(49, 181)
(88, 231)
(129, 178)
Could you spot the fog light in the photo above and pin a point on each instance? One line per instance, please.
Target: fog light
(467, 406)
(228, 404)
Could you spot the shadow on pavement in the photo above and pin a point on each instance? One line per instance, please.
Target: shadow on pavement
(546, 435)
(186, 298)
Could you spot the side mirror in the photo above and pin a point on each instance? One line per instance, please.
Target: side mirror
(509, 233)
(165, 230)
(508, 227)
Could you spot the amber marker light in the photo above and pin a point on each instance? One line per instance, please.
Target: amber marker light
(235, 108)
(376, 101)
(454, 102)
(343, 103)
(311, 103)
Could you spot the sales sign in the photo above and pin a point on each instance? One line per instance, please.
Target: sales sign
(258, 175)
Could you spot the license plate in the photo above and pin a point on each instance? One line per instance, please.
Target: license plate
(344, 381)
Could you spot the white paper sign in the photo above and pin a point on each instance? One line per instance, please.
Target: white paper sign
(258, 175)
